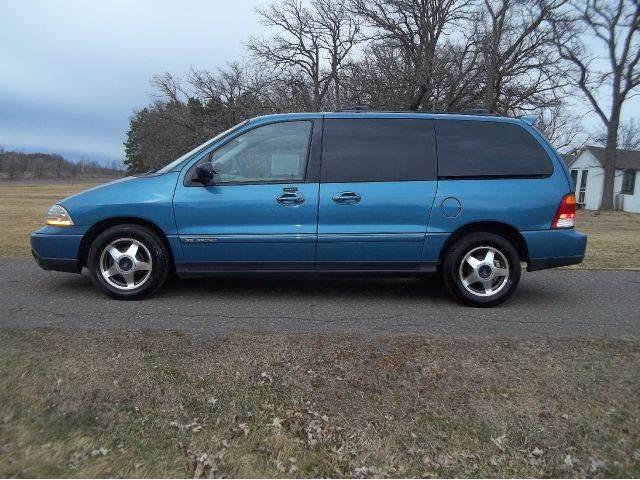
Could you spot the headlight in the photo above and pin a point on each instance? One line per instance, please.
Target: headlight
(58, 217)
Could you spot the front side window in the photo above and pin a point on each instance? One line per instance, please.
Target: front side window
(628, 182)
(269, 154)
(375, 150)
(468, 148)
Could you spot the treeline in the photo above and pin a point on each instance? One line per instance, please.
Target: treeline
(19, 166)
(509, 57)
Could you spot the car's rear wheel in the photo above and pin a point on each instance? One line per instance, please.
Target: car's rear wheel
(128, 262)
(482, 269)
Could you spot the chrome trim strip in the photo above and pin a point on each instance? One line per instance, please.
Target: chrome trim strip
(304, 237)
(249, 238)
(371, 237)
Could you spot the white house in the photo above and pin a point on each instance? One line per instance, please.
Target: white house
(587, 173)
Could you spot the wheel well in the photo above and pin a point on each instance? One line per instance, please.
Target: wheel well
(502, 229)
(97, 228)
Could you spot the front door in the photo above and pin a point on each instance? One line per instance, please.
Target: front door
(378, 183)
(260, 210)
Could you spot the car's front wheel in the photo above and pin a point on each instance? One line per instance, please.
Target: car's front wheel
(482, 269)
(128, 262)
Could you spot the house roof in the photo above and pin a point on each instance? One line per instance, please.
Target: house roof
(625, 159)
(568, 158)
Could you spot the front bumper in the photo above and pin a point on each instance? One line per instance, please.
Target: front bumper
(54, 251)
(554, 248)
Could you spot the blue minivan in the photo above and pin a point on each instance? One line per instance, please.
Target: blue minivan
(468, 196)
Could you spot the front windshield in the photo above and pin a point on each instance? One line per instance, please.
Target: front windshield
(178, 161)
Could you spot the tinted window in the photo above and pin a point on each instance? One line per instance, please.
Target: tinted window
(371, 150)
(480, 149)
(275, 152)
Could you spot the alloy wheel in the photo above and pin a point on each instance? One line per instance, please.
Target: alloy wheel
(484, 271)
(126, 264)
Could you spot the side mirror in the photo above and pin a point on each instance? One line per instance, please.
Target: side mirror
(205, 172)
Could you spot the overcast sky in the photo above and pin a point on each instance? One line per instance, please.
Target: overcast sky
(73, 71)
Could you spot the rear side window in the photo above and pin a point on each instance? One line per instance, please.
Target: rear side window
(489, 149)
(376, 150)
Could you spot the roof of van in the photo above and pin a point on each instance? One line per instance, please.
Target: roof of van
(381, 114)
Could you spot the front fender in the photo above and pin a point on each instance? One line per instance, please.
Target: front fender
(149, 198)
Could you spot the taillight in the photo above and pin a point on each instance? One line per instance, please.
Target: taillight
(566, 214)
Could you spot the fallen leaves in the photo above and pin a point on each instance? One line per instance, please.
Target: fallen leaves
(276, 424)
(596, 465)
(99, 452)
(194, 427)
(208, 463)
(244, 428)
(499, 441)
(568, 462)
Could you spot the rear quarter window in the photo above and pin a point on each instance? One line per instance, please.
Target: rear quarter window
(468, 148)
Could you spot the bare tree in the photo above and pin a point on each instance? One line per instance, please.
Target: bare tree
(415, 28)
(38, 168)
(59, 166)
(12, 167)
(311, 45)
(340, 33)
(615, 26)
(169, 87)
(239, 90)
(559, 126)
(458, 74)
(628, 136)
(518, 54)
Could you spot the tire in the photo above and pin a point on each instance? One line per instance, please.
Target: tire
(128, 262)
(472, 278)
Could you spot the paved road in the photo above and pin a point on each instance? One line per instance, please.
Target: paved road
(560, 302)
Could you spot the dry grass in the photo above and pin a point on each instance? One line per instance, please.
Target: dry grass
(22, 210)
(614, 237)
(166, 405)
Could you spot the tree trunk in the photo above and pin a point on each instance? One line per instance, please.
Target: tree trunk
(317, 101)
(610, 162)
(489, 89)
(416, 100)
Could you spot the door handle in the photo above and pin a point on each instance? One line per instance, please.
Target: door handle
(291, 199)
(347, 198)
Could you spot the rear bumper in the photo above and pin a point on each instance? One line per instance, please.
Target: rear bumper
(542, 263)
(56, 252)
(554, 248)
